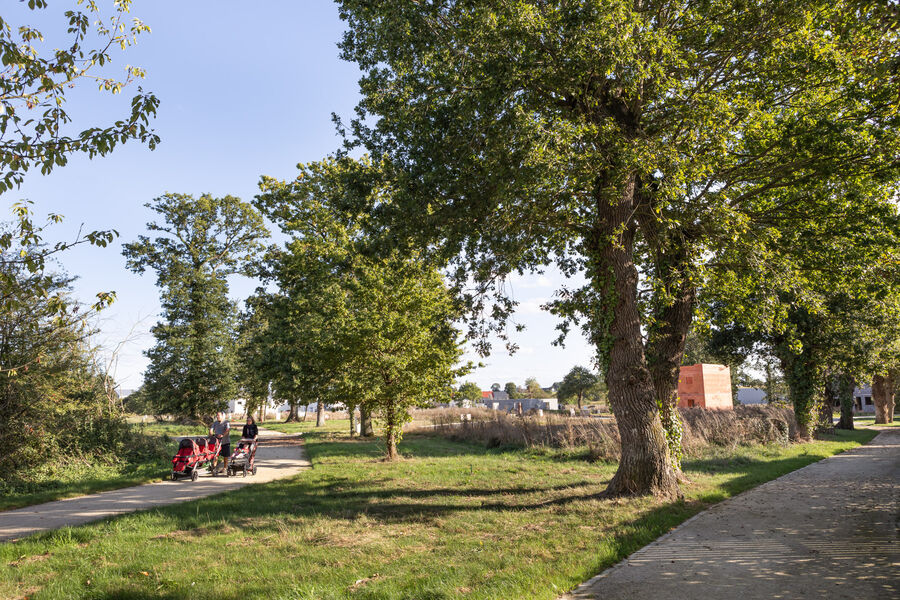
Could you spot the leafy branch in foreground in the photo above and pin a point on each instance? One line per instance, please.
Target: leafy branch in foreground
(34, 83)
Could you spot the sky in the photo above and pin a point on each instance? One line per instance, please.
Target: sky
(245, 89)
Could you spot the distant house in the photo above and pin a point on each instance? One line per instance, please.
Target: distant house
(862, 400)
(705, 386)
(493, 396)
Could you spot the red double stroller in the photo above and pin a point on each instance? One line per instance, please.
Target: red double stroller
(243, 458)
(193, 455)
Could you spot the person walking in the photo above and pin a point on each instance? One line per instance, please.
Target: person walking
(250, 430)
(221, 428)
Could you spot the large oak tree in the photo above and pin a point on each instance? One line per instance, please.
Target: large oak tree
(604, 136)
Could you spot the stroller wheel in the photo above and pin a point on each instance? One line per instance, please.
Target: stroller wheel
(174, 476)
(254, 470)
(194, 475)
(245, 470)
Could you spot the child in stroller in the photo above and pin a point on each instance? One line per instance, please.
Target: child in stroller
(192, 455)
(244, 458)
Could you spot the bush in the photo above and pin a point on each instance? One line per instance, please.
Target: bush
(702, 428)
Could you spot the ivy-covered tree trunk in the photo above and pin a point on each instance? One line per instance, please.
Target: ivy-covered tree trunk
(826, 404)
(882, 395)
(665, 353)
(320, 413)
(801, 374)
(644, 466)
(845, 387)
(365, 421)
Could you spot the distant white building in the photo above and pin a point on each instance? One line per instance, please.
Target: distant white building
(527, 404)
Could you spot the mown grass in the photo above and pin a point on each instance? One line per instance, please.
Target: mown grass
(450, 520)
(870, 421)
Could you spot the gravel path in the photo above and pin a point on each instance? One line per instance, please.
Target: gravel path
(829, 530)
(278, 455)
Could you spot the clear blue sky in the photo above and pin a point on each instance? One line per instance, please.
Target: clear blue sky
(246, 89)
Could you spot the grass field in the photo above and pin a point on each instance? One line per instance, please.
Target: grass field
(450, 520)
(870, 421)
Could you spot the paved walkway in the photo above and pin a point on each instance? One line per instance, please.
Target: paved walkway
(829, 530)
(278, 455)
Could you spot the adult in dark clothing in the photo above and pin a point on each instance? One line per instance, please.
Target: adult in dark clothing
(250, 431)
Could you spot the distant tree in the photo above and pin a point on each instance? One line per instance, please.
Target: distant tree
(378, 328)
(511, 390)
(469, 391)
(578, 383)
(201, 242)
(533, 389)
(495, 387)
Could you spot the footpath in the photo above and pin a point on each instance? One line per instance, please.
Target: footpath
(278, 455)
(828, 530)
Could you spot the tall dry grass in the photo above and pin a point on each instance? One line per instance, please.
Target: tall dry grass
(702, 428)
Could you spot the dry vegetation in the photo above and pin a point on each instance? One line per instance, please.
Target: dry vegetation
(702, 428)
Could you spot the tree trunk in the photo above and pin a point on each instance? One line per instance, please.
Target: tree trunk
(801, 373)
(580, 394)
(882, 395)
(826, 404)
(845, 387)
(892, 381)
(665, 353)
(391, 431)
(292, 413)
(673, 314)
(353, 421)
(305, 413)
(365, 421)
(644, 466)
(320, 413)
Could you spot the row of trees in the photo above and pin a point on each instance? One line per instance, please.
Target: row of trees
(737, 160)
(335, 322)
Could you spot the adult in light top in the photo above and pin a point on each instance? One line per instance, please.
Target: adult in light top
(221, 428)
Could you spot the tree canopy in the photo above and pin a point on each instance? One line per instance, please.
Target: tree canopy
(603, 136)
(369, 329)
(201, 242)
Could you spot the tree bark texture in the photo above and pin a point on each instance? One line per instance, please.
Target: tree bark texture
(883, 396)
(292, 413)
(365, 421)
(644, 466)
(893, 377)
(353, 420)
(391, 431)
(665, 353)
(671, 322)
(826, 404)
(845, 386)
(320, 413)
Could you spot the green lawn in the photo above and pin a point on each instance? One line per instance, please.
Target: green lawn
(870, 421)
(451, 520)
(331, 425)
